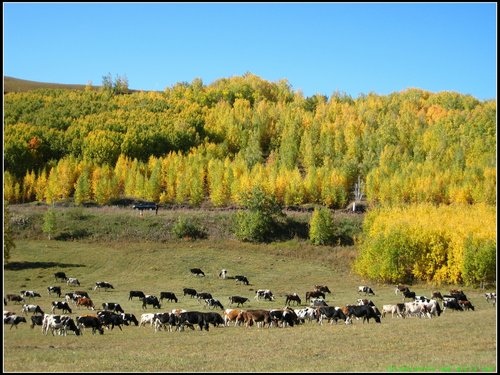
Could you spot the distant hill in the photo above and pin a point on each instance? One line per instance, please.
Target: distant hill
(11, 84)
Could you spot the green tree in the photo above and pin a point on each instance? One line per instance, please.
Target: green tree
(49, 222)
(8, 239)
(321, 227)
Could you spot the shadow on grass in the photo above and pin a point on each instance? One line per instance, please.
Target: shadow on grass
(17, 266)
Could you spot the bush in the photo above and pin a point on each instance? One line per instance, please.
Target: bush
(183, 228)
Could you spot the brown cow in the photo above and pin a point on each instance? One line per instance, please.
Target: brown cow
(84, 301)
(231, 315)
(260, 317)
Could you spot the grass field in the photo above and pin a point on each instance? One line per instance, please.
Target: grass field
(456, 341)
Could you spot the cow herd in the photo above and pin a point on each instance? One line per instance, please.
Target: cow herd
(316, 310)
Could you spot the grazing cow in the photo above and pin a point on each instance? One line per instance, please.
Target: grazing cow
(36, 320)
(322, 288)
(397, 309)
(151, 300)
(230, 315)
(365, 311)
(14, 298)
(30, 294)
(90, 321)
(54, 289)
(366, 290)
(491, 297)
(451, 303)
(317, 302)
(61, 306)
(466, 305)
(59, 323)
(147, 318)
(35, 309)
(331, 314)
(410, 295)
(314, 294)
(238, 300)
(189, 292)
(72, 281)
(130, 318)
(211, 302)
(307, 313)
(60, 276)
(242, 280)
(197, 272)
(437, 295)
(161, 320)
(401, 288)
(202, 295)
(136, 293)
(14, 320)
(285, 317)
(112, 306)
(250, 317)
(222, 274)
(108, 318)
(458, 294)
(264, 293)
(192, 318)
(103, 285)
(169, 296)
(292, 297)
(214, 318)
(84, 301)
(81, 293)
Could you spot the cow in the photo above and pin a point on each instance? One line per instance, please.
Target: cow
(90, 321)
(366, 290)
(466, 305)
(14, 298)
(222, 274)
(151, 300)
(130, 318)
(161, 320)
(401, 288)
(331, 314)
(251, 317)
(108, 318)
(192, 318)
(398, 309)
(189, 292)
(314, 294)
(285, 317)
(491, 297)
(14, 320)
(197, 272)
(264, 293)
(61, 306)
(146, 206)
(365, 311)
(292, 297)
(60, 276)
(136, 293)
(317, 302)
(36, 320)
(112, 306)
(60, 323)
(437, 295)
(54, 289)
(212, 302)
(238, 300)
(203, 295)
(35, 309)
(81, 293)
(103, 285)
(408, 294)
(322, 288)
(230, 315)
(30, 294)
(169, 296)
(306, 313)
(84, 301)
(147, 318)
(72, 281)
(458, 294)
(242, 280)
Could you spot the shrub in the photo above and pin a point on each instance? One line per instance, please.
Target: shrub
(321, 229)
(183, 228)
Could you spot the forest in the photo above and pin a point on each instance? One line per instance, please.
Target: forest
(195, 144)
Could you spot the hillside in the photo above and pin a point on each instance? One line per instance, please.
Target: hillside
(11, 84)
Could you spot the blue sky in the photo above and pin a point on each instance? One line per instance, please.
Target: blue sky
(319, 48)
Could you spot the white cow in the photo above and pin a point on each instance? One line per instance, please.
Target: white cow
(146, 318)
(32, 308)
(393, 309)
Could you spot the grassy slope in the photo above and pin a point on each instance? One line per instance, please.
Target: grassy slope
(460, 340)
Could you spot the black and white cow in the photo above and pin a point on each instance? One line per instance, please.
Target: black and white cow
(90, 321)
(136, 293)
(169, 296)
(60, 323)
(212, 302)
(151, 300)
(366, 290)
(30, 294)
(242, 279)
(330, 313)
(130, 318)
(491, 297)
(112, 306)
(61, 306)
(197, 272)
(266, 294)
(14, 320)
(108, 318)
(72, 281)
(189, 292)
(366, 312)
(223, 274)
(238, 300)
(60, 276)
(35, 309)
(54, 289)
(103, 285)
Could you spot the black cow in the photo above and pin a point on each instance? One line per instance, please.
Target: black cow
(104, 285)
(238, 300)
(189, 292)
(61, 306)
(214, 318)
(130, 318)
(452, 304)
(136, 293)
(169, 296)
(364, 311)
(54, 289)
(151, 300)
(112, 306)
(14, 320)
(409, 294)
(197, 272)
(211, 302)
(108, 318)
(60, 276)
(242, 279)
(192, 318)
(90, 321)
(14, 298)
(203, 295)
(292, 297)
(36, 320)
